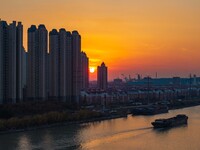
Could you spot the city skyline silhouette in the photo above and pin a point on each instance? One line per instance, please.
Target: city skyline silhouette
(131, 37)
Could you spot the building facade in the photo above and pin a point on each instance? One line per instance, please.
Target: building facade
(37, 74)
(69, 67)
(37, 55)
(62, 63)
(102, 76)
(84, 71)
(60, 49)
(76, 67)
(11, 61)
(54, 64)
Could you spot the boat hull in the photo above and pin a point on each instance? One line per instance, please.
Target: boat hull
(170, 122)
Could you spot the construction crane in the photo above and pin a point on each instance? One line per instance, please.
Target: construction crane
(127, 79)
(124, 77)
(139, 77)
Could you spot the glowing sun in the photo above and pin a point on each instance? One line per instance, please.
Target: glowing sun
(92, 69)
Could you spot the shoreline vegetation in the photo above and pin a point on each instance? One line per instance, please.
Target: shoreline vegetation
(36, 115)
(49, 119)
(29, 115)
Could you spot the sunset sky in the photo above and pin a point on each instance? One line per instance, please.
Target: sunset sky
(130, 36)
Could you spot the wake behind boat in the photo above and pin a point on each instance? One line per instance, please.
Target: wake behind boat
(170, 122)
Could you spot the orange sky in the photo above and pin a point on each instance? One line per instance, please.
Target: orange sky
(130, 36)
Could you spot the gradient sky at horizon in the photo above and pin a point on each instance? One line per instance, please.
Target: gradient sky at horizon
(130, 36)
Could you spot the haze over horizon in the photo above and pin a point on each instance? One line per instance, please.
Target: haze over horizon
(130, 36)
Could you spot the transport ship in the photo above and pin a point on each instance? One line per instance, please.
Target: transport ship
(178, 120)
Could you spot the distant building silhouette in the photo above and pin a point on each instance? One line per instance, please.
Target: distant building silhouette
(65, 65)
(84, 71)
(60, 46)
(37, 53)
(102, 76)
(54, 64)
(11, 61)
(69, 66)
(20, 60)
(37, 74)
(76, 67)
(24, 72)
(47, 75)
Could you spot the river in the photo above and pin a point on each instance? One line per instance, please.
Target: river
(133, 132)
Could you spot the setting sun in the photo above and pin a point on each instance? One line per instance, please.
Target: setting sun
(92, 69)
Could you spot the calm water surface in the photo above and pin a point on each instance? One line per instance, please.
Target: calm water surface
(134, 132)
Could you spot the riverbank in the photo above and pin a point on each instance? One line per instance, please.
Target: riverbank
(184, 104)
(60, 124)
(54, 119)
(46, 120)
